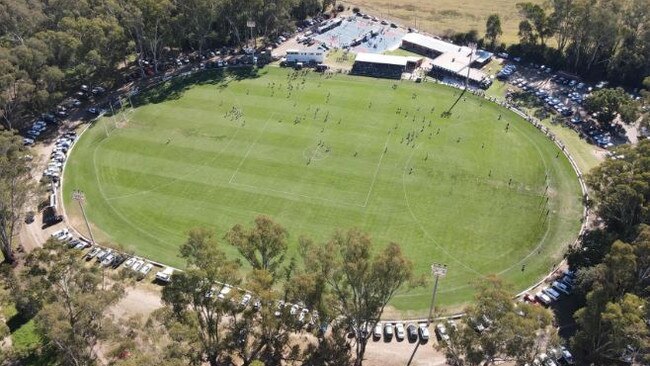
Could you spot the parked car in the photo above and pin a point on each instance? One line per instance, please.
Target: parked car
(388, 331)
(145, 269)
(411, 332)
(130, 262)
(108, 260)
(561, 287)
(118, 260)
(551, 293)
(137, 265)
(543, 298)
(424, 332)
(165, 275)
(378, 330)
(245, 299)
(399, 331)
(224, 292)
(92, 253)
(567, 357)
(441, 332)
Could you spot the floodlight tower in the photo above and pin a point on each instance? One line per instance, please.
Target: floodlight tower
(472, 47)
(437, 270)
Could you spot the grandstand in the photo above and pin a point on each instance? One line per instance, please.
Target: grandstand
(448, 59)
(383, 66)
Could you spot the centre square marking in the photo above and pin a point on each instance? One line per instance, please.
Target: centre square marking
(301, 169)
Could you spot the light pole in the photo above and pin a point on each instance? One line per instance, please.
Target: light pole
(79, 196)
(437, 270)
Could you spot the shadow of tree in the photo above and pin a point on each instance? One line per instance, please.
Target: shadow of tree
(174, 88)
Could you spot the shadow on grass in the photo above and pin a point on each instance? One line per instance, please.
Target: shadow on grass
(17, 321)
(174, 88)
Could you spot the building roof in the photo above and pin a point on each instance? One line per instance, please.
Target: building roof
(435, 44)
(443, 47)
(452, 61)
(382, 59)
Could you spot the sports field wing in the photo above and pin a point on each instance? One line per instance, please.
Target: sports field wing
(318, 154)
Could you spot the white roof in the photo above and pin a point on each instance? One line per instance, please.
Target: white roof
(376, 58)
(451, 62)
(435, 44)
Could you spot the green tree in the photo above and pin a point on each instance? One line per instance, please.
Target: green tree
(610, 103)
(621, 190)
(264, 246)
(75, 300)
(513, 331)
(361, 283)
(526, 33)
(16, 188)
(606, 328)
(538, 22)
(493, 29)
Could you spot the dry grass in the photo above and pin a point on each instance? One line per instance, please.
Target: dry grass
(438, 16)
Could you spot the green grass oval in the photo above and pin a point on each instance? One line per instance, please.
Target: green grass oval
(317, 153)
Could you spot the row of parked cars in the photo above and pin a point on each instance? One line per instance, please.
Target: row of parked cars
(110, 258)
(58, 156)
(561, 285)
(399, 331)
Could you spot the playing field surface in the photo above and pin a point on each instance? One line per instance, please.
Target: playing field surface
(482, 190)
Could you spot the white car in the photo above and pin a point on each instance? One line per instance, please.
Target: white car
(399, 331)
(378, 330)
(303, 314)
(146, 269)
(129, 262)
(388, 330)
(137, 265)
(441, 331)
(424, 332)
(245, 299)
(93, 252)
(108, 260)
(103, 254)
(62, 234)
(559, 286)
(541, 296)
(165, 275)
(551, 293)
(224, 292)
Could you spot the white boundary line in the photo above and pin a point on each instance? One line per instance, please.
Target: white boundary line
(374, 177)
(250, 148)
